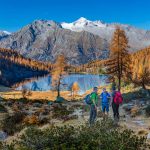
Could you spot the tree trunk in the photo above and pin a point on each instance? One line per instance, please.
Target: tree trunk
(58, 93)
(119, 83)
(73, 95)
(58, 89)
(143, 86)
(119, 77)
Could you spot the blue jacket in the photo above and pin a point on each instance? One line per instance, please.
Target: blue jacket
(105, 97)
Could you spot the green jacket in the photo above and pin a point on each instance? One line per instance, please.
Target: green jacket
(94, 97)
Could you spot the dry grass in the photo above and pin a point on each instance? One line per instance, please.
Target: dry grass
(8, 93)
(45, 95)
(134, 111)
(142, 132)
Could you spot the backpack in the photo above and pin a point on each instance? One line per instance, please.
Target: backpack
(87, 99)
(118, 99)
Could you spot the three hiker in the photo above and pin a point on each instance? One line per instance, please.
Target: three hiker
(114, 99)
(105, 96)
(93, 106)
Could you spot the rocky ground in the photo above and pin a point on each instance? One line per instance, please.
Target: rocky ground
(46, 114)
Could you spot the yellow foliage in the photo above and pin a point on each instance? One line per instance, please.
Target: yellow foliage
(118, 65)
(31, 120)
(15, 57)
(134, 111)
(58, 72)
(75, 87)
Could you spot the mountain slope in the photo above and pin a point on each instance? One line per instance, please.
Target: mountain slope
(137, 38)
(15, 68)
(45, 40)
(80, 41)
(139, 59)
(4, 34)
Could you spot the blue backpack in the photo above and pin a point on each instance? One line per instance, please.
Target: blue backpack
(87, 99)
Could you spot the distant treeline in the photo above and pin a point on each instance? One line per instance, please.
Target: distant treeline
(15, 57)
(16, 68)
(139, 59)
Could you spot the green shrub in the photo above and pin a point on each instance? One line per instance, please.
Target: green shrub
(2, 108)
(134, 95)
(61, 112)
(102, 136)
(60, 100)
(23, 100)
(43, 121)
(4, 146)
(12, 124)
(147, 111)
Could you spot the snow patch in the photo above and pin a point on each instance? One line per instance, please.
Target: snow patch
(82, 23)
(6, 32)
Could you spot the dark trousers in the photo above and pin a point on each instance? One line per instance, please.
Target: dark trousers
(93, 114)
(115, 108)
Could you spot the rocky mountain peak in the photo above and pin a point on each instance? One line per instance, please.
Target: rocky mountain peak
(82, 20)
(80, 41)
(4, 34)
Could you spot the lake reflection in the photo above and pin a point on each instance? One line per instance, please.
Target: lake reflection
(85, 82)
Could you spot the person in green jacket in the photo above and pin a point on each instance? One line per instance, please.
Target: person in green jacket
(93, 106)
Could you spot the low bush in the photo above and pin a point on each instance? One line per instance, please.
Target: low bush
(61, 112)
(60, 100)
(101, 136)
(142, 132)
(31, 120)
(135, 111)
(147, 111)
(13, 124)
(23, 100)
(2, 108)
(43, 121)
(135, 95)
(35, 120)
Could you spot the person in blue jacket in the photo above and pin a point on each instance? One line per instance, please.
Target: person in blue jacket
(105, 97)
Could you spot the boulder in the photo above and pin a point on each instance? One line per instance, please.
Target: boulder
(37, 105)
(60, 100)
(148, 136)
(3, 135)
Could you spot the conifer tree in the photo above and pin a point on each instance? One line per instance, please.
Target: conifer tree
(118, 65)
(142, 78)
(58, 73)
(75, 88)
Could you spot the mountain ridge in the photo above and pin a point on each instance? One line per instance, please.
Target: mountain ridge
(45, 40)
(138, 38)
(80, 41)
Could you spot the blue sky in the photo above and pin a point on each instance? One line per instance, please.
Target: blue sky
(14, 14)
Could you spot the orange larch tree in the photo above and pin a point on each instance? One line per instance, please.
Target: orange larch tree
(58, 73)
(75, 89)
(142, 77)
(118, 65)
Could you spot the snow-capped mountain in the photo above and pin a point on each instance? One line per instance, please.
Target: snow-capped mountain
(80, 41)
(4, 34)
(137, 38)
(44, 40)
(83, 23)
